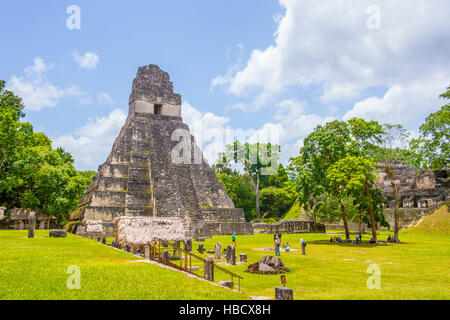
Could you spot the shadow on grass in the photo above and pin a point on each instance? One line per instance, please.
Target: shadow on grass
(351, 244)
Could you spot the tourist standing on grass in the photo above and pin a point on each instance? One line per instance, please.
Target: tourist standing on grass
(277, 247)
(233, 239)
(279, 235)
(303, 245)
(274, 237)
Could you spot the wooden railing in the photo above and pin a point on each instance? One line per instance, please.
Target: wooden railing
(155, 254)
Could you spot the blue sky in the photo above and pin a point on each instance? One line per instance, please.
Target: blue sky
(280, 67)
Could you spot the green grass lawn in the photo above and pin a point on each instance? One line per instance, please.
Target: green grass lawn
(37, 269)
(436, 223)
(417, 268)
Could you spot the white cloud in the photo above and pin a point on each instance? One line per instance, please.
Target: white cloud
(328, 44)
(402, 104)
(207, 128)
(232, 69)
(37, 92)
(105, 99)
(339, 92)
(291, 126)
(91, 144)
(87, 61)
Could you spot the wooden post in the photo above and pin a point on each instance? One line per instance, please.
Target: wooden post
(159, 248)
(185, 260)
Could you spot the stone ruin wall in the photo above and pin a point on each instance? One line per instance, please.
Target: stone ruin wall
(18, 219)
(421, 191)
(291, 226)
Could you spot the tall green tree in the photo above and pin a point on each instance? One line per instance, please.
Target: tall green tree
(310, 194)
(278, 179)
(433, 145)
(12, 131)
(257, 159)
(239, 187)
(276, 201)
(366, 136)
(33, 175)
(325, 146)
(322, 149)
(395, 137)
(348, 178)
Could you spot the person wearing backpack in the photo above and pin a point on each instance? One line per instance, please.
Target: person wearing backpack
(303, 244)
(277, 247)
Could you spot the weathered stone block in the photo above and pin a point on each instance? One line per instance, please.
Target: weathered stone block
(231, 255)
(264, 268)
(267, 265)
(31, 224)
(283, 293)
(218, 251)
(188, 245)
(226, 283)
(166, 255)
(209, 269)
(57, 233)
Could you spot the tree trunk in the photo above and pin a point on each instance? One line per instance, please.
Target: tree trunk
(344, 219)
(372, 217)
(396, 206)
(256, 189)
(258, 210)
(396, 191)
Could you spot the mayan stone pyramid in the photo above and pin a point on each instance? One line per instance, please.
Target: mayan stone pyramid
(140, 178)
